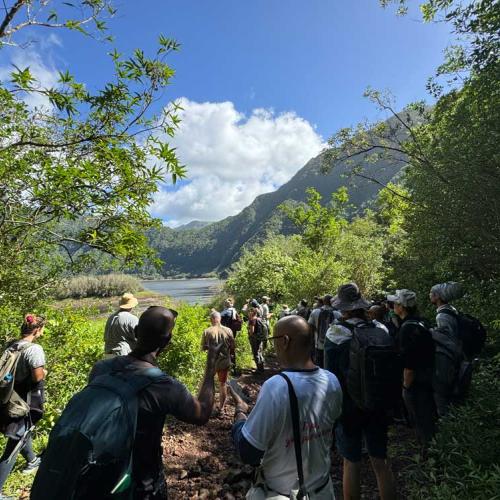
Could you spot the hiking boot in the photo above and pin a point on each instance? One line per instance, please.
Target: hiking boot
(31, 467)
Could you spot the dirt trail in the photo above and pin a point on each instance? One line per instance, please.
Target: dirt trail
(201, 462)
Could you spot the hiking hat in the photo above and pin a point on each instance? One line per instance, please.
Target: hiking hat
(448, 291)
(254, 303)
(349, 298)
(265, 297)
(404, 297)
(128, 301)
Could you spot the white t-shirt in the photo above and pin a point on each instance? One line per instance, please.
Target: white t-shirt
(269, 427)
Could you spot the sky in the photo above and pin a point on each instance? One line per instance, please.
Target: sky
(263, 83)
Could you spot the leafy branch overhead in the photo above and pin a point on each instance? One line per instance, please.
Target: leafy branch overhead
(80, 171)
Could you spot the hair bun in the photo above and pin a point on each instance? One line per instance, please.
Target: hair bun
(29, 319)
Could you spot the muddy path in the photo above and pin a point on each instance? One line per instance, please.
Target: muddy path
(201, 462)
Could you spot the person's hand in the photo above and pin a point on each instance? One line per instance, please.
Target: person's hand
(45, 372)
(239, 404)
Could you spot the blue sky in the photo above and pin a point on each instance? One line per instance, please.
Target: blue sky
(264, 82)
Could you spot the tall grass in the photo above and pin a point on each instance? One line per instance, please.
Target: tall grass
(105, 285)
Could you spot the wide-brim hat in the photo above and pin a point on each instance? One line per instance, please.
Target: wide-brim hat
(265, 297)
(349, 298)
(127, 301)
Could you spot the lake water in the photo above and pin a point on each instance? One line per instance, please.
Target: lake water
(191, 291)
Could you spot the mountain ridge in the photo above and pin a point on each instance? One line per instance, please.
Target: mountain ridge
(213, 248)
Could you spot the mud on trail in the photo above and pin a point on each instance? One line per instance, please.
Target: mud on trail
(200, 462)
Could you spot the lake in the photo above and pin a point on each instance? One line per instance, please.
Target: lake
(191, 291)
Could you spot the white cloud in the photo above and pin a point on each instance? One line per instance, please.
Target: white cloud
(42, 69)
(232, 158)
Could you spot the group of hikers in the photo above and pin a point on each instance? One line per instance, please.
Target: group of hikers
(349, 366)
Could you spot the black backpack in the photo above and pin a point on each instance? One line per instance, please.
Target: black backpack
(374, 375)
(470, 331)
(261, 331)
(89, 453)
(325, 319)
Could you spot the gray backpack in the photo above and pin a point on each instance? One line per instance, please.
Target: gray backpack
(12, 406)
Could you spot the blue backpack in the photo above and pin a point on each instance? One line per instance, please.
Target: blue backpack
(89, 453)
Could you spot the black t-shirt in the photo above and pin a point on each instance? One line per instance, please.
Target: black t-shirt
(166, 396)
(417, 348)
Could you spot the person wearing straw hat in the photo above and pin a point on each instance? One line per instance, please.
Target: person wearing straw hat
(119, 333)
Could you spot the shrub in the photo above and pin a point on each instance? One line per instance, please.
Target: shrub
(464, 460)
(105, 285)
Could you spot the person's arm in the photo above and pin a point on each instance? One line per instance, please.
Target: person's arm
(408, 377)
(38, 374)
(204, 343)
(198, 410)
(36, 361)
(408, 347)
(248, 453)
(251, 327)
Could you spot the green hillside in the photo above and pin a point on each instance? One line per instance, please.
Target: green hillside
(216, 246)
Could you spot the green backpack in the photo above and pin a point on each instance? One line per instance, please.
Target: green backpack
(89, 453)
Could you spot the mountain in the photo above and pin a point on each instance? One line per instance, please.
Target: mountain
(194, 224)
(196, 251)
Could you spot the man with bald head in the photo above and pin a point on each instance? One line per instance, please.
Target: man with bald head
(165, 396)
(215, 335)
(266, 435)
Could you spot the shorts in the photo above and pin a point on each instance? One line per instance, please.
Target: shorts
(349, 434)
(222, 375)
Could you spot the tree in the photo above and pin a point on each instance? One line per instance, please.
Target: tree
(81, 171)
(449, 226)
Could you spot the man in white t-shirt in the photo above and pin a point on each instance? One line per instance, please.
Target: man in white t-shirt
(266, 436)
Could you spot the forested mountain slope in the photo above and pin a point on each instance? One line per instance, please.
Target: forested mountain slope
(215, 247)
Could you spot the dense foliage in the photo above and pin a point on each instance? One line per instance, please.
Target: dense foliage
(464, 461)
(78, 171)
(329, 250)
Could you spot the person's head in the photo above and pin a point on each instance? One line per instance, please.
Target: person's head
(327, 300)
(405, 303)
(350, 302)
(215, 317)
(285, 307)
(32, 326)
(377, 312)
(253, 312)
(127, 302)
(154, 330)
(265, 299)
(228, 303)
(303, 303)
(318, 301)
(292, 341)
(254, 303)
(444, 293)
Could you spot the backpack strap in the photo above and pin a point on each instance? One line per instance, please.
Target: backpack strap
(294, 408)
(449, 312)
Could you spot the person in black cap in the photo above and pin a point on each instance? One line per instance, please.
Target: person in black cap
(167, 396)
(417, 355)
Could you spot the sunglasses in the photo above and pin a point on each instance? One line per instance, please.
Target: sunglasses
(277, 337)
